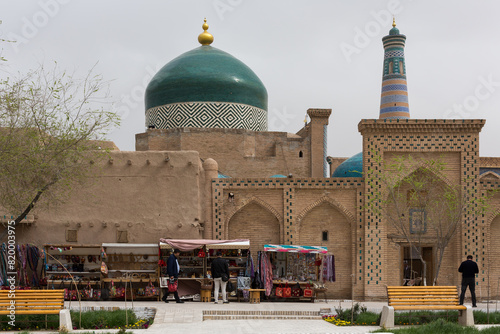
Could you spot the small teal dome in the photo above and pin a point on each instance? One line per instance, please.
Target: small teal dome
(394, 31)
(206, 74)
(352, 167)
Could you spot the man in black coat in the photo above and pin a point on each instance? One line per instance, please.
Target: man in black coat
(219, 269)
(173, 273)
(469, 270)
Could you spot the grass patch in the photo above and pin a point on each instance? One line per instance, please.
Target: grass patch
(364, 318)
(442, 327)
(367, 319)
(481, 317)
(424, 317)
(100, 319)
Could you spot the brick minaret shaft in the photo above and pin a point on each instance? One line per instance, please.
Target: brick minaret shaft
(394, 100)
(318, 126)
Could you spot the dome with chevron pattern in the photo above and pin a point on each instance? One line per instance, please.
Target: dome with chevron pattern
(206, 88)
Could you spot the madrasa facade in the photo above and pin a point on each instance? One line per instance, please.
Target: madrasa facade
(207, 167)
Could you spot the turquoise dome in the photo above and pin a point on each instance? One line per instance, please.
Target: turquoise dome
(394, 31)
(206, 74)
(352, 167)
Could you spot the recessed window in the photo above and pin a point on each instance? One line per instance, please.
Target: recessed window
(71, 235)
(301, 154)
(325, 235)
(122, 236)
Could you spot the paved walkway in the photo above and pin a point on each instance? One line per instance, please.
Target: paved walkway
(188, 317)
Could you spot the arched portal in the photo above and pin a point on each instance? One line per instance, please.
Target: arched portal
(256, 223)
(327, 218)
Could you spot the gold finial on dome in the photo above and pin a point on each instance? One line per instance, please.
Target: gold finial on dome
(393, 22)
(205, 38)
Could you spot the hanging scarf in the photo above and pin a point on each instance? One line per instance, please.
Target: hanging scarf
(3, 264)
(33, 257)
(329, 268)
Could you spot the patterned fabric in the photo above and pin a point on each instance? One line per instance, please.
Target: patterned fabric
(329, 268)
(244, 282)
(295, 249)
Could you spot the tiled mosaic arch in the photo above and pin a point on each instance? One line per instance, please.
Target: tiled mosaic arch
(491, 218)
(420, 165)
(490, 173)
(334, 203)
(248, 201)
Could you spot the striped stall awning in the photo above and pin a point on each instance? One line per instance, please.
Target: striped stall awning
(296, 249)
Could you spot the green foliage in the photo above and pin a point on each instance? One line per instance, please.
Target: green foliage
(350, 313)
(423, 317)
(481, 317)
(30, 321)
(51, 125)
(439, 326)
(367, 319)
(100, 319)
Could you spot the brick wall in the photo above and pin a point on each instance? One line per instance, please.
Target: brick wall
(256, 223)
(326, 218)
(239, 153)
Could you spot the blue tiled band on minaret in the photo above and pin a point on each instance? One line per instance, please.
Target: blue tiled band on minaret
(394, 97)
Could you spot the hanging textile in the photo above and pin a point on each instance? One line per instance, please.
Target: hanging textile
(296, 249)
(33, 255)
(249, 271)
(3, 265)
(266, 273)
(329, 268)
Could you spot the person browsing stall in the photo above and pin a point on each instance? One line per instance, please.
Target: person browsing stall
(220, 273)
(173, 273)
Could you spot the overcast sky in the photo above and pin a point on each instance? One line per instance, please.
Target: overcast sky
(308, 54)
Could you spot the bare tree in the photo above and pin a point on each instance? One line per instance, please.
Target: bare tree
(422, 207)
(51, 128)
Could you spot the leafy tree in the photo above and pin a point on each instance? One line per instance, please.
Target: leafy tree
(51, 127)
(421, 206)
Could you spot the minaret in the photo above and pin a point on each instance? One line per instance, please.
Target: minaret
(394, 101)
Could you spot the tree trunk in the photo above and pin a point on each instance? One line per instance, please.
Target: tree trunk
(438, 266)
(28, 208)
(424, 274)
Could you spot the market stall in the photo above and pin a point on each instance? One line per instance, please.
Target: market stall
(74, 267)
(195, 260)
(293, 268)
(131, 270)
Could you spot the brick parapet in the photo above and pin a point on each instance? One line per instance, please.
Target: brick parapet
(366, 126)
(491, 162)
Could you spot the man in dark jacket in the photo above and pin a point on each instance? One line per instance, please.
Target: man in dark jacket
(173, 273)
(469, 270)
(220, 268)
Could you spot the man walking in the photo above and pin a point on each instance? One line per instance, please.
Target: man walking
(220, 273)
(469, 270)
(173, 273)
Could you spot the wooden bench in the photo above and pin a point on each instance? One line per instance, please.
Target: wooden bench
(13, 302)
(409, 298)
